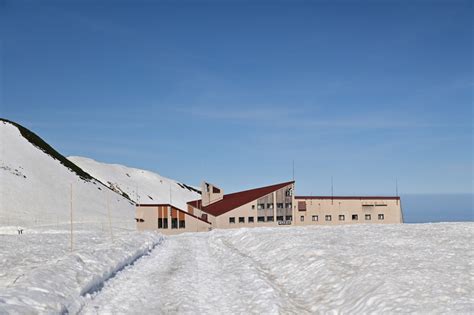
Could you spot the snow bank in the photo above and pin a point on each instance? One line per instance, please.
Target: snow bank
(47, 279)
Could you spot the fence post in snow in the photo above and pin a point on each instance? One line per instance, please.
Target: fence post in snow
(71, 221)
(110, 219)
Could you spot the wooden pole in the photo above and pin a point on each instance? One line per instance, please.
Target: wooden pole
(110, 219)
(71, 222)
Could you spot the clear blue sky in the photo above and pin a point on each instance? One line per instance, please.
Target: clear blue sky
(233, 91)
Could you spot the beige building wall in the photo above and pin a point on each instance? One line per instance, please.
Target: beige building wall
(210, 193)
(341, 210)
(147, 219)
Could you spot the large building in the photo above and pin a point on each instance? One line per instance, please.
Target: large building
(274, 205)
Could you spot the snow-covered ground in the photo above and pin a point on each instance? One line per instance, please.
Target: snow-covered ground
(35, 188)
(141, 186)
(39, 273)
(425, 268)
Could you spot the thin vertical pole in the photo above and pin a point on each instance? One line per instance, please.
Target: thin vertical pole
(293, 170)
(71, 221)
(171, 201)
(110, 219)
(332, 191)
(396, 188)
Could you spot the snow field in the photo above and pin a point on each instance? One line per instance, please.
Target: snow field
(424, 268)
(39, 274)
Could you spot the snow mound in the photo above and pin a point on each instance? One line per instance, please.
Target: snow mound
(141, 186)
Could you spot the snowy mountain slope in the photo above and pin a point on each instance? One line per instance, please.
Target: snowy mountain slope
(35, 185)
(141, 186)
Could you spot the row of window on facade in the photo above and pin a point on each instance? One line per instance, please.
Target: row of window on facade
(262, 219)
(280, 205)
(342, 217)
(175, 224)
(355, 217)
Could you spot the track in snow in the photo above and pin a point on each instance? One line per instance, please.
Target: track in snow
(196, 273)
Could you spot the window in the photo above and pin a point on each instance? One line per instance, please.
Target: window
(165, 223)
(250, 219)
(367, 216)
(261, 206)
(280, 218)
(289, 217)
(328, 218)
(269, 205)
(314, 218)
(280, 205)
(174, 223)
(342, 217)
(231, 220)
(270, 219)
(260, 219)
(355, 217)
(160, 223)
(288, 205)
(241, 219)
(381, 216)
(302, 218)
(253, 207)
(301, 205)
(182, 224)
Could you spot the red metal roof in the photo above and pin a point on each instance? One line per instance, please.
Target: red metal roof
(350, 197)
(235, 200)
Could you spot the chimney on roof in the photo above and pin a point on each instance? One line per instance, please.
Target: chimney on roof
(210, 194)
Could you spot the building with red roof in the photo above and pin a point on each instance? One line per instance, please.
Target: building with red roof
(269, 206)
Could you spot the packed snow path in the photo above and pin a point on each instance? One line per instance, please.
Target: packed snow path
(194, 273)
(350, 269)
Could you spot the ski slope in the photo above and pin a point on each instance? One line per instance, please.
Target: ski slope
(425, 268)
(36, 183)
(141, 186)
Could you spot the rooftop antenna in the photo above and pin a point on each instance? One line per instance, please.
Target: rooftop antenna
(171, 200)
(293, 170)
(396, 188)
(332, 191)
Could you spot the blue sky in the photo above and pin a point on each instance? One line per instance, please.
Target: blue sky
(233, 91)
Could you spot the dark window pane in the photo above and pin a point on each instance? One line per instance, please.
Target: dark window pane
(174, 223)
